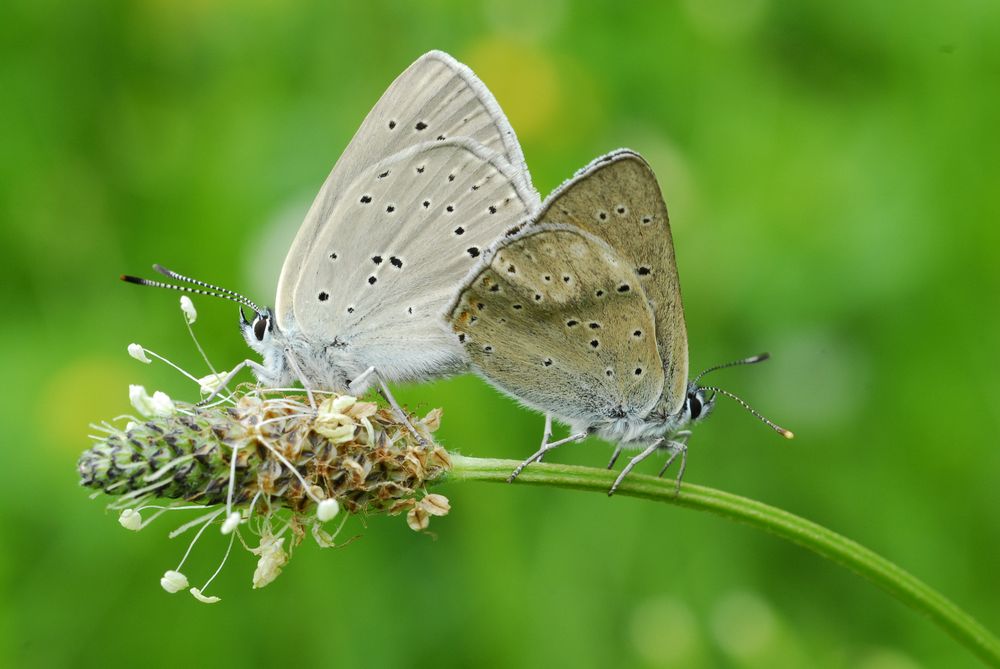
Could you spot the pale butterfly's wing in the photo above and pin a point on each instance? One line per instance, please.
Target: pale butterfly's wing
(435, 99)
(408, 229)
(618, 199)
(559, 320)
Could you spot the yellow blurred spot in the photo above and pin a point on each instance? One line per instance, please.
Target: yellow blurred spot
(744, 625)
(524, 80)
(86, 391)
(886, 658)
(665, 633)
(788, 434)
(530, 20)
(177, 19)
(726, 18)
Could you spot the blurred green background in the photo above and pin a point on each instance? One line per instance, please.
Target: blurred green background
(832, 175)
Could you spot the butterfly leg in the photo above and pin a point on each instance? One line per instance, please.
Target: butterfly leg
(676, 448)
(302, 378)
(547, 432)
(387, 394)
(614, 456)
(546, 447)
(649, 450)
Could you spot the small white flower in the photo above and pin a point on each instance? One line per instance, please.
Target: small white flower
(139, 353)
(190, 315)
(173, 581)
(329, 414)
(327, 509)
(272, 559)
(209, 384)
(159, 404)
(338, 435)
(130, 519)
(204, 598)
(342, 403)
(231, 523)
(131, 425)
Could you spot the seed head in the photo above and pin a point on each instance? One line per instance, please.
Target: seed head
(266, 464)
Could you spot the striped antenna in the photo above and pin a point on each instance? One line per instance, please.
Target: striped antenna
(206, 288)
(787, 434)
(752, 360)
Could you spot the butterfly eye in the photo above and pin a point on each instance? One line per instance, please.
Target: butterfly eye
(695, 405)
(260, 327)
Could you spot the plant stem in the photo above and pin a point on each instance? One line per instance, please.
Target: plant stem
(888, 576)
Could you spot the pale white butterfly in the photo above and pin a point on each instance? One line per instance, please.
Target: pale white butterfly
(579, 315)
(432, 177)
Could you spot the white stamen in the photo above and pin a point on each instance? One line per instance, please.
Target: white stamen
(179, 369)
(162, 510)
(209, 384)
(130, 519)
(190, 315)
(139, 353)
(232, 487)
(337, 435)
(327, 509)
(198, 593)
(210, 516)
(231, 523)
(202, 598)
(173, 581)
(159, 404)
(343, 403)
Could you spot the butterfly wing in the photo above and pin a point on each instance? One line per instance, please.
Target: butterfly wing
(618, 199)
(406, 232)
(558, 319)
(436, 98)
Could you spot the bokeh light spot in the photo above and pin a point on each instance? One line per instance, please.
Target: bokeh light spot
(85, 390)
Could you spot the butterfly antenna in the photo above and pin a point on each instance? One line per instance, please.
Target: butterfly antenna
(206, 288)
(754, 359)
(225, 291)
(787, 434)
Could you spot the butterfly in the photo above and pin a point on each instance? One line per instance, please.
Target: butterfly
(579, 315)
(434, 175)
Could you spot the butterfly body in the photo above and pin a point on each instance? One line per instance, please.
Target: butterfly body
(579, 313)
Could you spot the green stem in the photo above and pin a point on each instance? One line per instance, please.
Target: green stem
(891, 578)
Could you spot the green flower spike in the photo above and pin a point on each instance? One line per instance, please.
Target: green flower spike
(266, 464)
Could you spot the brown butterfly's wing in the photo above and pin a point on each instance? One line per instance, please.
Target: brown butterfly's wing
(618, 199)
(559, 320)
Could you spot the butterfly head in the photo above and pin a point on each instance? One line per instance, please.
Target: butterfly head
(696, 405)
(263, 335)
(259, 332)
